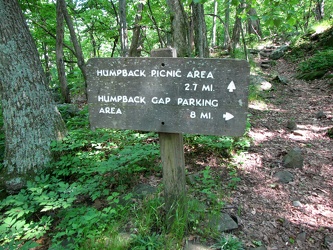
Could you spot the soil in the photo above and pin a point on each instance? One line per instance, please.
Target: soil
(299, 214)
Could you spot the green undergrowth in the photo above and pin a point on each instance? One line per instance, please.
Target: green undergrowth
(313, 52)
(85, 198)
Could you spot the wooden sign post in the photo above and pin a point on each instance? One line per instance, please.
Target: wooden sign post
(173, 160)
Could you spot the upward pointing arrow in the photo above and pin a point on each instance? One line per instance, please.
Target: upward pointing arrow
(231, 86)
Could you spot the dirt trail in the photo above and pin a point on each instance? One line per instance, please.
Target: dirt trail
(297, 215)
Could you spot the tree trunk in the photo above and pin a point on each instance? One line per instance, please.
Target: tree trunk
(179, 28)
(200, 33)
(47, 62)
(77, 47)
(135, 50)
(31, 119)
(213, 44)
(320, 10)
(123, 28)
(253, 25)
(226, 40)
(60, 56)
(152, 18)
(236, 33)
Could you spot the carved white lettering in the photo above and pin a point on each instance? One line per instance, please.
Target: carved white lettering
(110, 110)
(165, 73)
(157, 100)
(121, 72)
(198, 102)
(199, 74)
(125, 99)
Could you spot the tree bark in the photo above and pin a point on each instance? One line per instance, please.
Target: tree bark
(226, 40)
(77, 47)
(320, 7)
(179, 28)
(123, 28)
(60, 56)
(135, 50)
(31, 119)
(200, 31)
(152, 18)
(213, 44)
(253, 25)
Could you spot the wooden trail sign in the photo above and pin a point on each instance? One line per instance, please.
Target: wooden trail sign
(172, 95)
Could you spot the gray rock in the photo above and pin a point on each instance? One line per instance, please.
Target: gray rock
(222, 222)
(297, 204)
(260, 83)
(284, 176)
(279, 52)
(194, 246)
(293, 159)
(142, 190)
(320, 115)
(328, 241)
(301, 237)
(282, 79)
(291, 124)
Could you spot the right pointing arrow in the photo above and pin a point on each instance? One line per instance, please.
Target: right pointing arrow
(231, 86)
(227, 116)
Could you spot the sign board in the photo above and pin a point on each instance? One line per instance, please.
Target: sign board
(172, 95)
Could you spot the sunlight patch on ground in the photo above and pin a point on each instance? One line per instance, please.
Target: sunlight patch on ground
(258, 105)
(308, 132)
(261, 135)
(262, 106)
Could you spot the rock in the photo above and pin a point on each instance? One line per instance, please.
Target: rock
(260, 83)
(320, 115)
(293, 159)
(291, 124)
(284, 176)
(266, 64)
(193, 246)
(142, 190)
(328, 241)
(192, 179)
(279, 52)
(222, 222)
(282, 79)
(264, 54)
(297, 204)
(301, 237)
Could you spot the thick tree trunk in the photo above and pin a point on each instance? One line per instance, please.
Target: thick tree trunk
(31, 119)
(179, 28)
(135, 50)
(200, 31)
(60, 56)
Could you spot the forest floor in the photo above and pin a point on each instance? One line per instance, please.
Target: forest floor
(299, 214)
